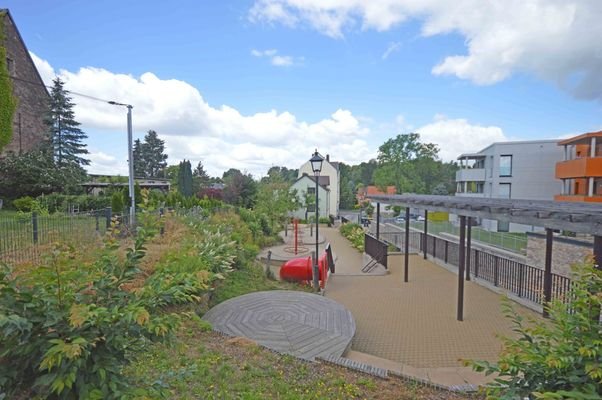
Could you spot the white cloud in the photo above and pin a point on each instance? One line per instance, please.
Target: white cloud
(557, 40)
(221, 136)
(457, 136)
(393, 47)
(275, 59)
(44, 68)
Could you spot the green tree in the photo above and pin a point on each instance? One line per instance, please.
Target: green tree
(66, 136)
(200, 178)
(150, 159)
(240, 189)
(35, 173)
(276, 200)
(8, 103)
(185, 179)
(287, 175)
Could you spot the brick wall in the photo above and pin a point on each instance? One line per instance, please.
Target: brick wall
(29, 129)
(565, 252)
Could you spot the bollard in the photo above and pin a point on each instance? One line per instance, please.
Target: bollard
(161, 213)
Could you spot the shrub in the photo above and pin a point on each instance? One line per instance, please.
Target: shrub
(355, 234)
(65, 330)
(24, 204)
(117, 202)
(556, 359)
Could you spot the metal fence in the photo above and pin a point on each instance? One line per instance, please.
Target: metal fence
(24, 238)
(376, 249)
(523, 280)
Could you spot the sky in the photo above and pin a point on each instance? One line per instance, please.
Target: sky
(260, 83)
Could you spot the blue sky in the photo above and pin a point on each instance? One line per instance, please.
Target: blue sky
(251, 84)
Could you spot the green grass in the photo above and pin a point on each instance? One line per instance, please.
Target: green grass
(250, 278)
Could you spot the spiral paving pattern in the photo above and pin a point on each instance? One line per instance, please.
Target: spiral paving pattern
(301, 324)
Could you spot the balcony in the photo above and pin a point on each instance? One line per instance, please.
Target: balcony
(579, 168)
(470, 175)
(578, 198)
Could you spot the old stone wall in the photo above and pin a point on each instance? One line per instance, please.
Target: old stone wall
(29, 129)
(565, 252)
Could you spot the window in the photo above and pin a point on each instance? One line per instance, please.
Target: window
(505, 191)
(10, 66)
(503, 226)
(506, 165)
(311, 190)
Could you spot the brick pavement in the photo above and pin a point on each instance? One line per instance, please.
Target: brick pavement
(414, 324)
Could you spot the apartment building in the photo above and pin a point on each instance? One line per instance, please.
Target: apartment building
(510, 170)
(580, 170)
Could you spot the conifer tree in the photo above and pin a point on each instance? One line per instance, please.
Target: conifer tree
(185, 178)
(150, 160)
(66, 136)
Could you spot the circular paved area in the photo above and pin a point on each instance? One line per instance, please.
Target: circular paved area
(301, 324)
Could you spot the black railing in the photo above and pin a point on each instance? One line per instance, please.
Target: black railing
(376, 249)
(521, 279)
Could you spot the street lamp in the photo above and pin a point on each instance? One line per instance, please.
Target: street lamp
(130, 161)
(316, 166)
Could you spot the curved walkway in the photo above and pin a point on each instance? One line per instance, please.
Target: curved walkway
(301, 324)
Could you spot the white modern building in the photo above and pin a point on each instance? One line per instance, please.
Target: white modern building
(330, 178)
(510, 170)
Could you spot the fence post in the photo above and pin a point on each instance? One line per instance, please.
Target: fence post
(434, 247)
(161, 213)
(446, 249)
(476, 263)
(34, 223)
(108, 216)
(521, 281)
(495, 270)
(96, 216)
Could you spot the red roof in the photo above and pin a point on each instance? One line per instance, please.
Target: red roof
(374, 190)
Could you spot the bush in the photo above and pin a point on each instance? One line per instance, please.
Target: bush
(65, 330)
(354, 233)
(555, 359)
(24, 204)
(117, 202)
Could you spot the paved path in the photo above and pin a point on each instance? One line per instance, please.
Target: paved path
(301, 324)
(413, 325)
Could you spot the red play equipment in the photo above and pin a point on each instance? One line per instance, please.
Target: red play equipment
(300, 269)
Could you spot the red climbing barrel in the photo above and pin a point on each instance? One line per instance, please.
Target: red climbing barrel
(300, 269)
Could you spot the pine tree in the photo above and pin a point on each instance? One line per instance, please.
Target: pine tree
(150, 160)
(65, 134)
(200, 177)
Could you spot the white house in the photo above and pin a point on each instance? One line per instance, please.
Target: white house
(330, 178)
(306, 187)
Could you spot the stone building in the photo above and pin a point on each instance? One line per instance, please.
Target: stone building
(32, 97)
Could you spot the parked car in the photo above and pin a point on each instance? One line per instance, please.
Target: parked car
(420, 218)
(400, 220)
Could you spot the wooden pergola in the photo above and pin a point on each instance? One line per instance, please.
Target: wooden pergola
(551, 215)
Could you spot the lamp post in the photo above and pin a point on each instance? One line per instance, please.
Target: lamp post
(130, 161)
(316, 166)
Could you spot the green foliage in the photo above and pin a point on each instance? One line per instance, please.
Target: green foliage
(200, 178)
(66, 136)
(275, 201)
(240, 189)
(8, 103)
(57, 202)
(66, 329)
(354, 233)
(185, 179)
(150, 159)
(556, 359)
(24, 204)
(35, 173)
(117, 202)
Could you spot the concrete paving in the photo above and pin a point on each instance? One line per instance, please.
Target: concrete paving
(411, 328)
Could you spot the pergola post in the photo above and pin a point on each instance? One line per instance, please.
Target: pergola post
(377, 221)
(468, 246)
(547, 273)
(426, 218)
(407, 247)
(460, 313)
